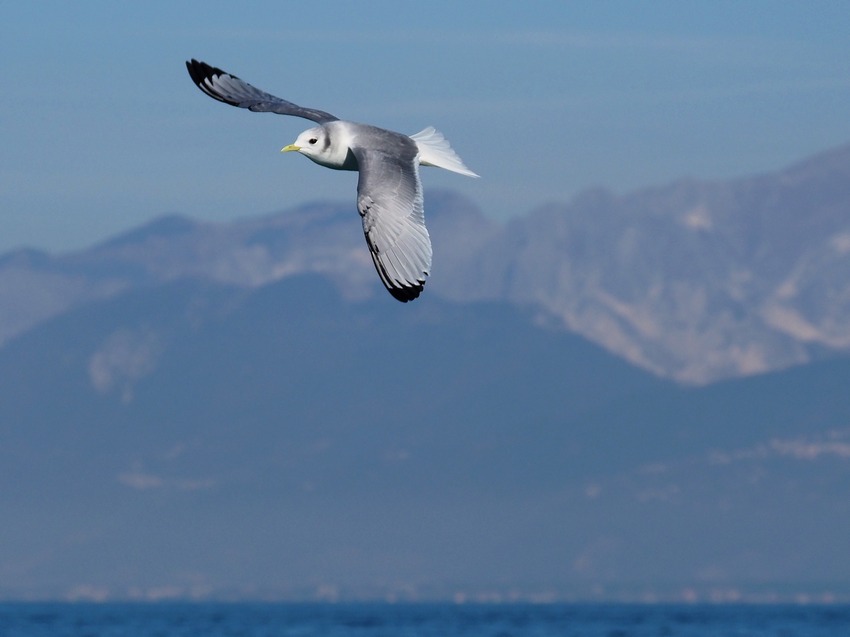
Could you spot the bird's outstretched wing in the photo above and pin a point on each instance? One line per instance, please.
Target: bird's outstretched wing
(227, 88)
(390, 201)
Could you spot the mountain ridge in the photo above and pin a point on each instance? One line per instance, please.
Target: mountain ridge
(694, 280)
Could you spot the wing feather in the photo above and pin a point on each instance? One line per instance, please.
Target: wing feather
(227, 88)
(391, 204)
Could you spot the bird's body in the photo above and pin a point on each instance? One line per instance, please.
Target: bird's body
(335, 141)
(389, 192)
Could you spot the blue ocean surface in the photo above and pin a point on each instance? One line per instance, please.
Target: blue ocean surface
(425, 620)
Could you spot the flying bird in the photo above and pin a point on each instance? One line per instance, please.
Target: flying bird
(389, 192)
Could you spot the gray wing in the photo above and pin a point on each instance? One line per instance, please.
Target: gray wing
(390, 201)
(229, 89)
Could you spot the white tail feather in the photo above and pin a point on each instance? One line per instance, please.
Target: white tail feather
(434, 150)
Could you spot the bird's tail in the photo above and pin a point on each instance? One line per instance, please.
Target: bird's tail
(434, 150)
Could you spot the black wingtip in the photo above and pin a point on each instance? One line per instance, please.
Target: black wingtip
(203, 74)
(399, 291)
(406, 294)
(195, 72)
(200, 71)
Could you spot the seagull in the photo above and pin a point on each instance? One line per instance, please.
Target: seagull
(389, 192)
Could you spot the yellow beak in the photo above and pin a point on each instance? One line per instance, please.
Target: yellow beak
(290, 148)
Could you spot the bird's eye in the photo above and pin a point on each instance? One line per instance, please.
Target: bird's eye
(313, 140)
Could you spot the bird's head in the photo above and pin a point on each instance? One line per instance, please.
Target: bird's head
(313, 143)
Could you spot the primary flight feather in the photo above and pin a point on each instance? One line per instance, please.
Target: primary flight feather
(389, 192)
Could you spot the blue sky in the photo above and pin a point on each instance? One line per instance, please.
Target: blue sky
(102, 128)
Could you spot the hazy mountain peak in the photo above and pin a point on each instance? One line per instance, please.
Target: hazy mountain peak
(163, 227)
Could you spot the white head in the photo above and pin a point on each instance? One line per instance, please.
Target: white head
(314, 143)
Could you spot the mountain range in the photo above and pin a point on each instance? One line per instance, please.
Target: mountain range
(631, 397)
(695, 281)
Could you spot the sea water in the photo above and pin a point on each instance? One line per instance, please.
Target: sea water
(425, 620)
